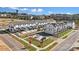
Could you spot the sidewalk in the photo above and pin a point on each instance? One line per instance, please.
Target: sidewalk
(60, 40)
(25, 41)
(67, 34)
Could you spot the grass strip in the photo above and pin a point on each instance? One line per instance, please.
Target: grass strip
(50, 47)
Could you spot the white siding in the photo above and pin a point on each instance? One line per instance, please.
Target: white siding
(51, 29)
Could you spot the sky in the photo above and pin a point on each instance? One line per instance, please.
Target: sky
(42, 10)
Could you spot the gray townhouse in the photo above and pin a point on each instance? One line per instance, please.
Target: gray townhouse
(54, 28)
(27, 26)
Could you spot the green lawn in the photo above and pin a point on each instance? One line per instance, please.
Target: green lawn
(35, 42)
(47, 42)
(38, 44)
(27, 46)
(21, 35)
(64, 33)
(50, 47)
(65, 36)
(77, 22)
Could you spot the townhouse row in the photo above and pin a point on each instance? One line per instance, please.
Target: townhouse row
(49, 27)
(54, 28)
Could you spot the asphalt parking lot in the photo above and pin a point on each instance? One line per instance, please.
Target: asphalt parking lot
(44, 34)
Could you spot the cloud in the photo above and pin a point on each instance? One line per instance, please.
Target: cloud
(24, 9)
(14, 7)
(68, 13)
(29, 13)
(34, 10)
(40, 10)
(37, 10)
(50, 12)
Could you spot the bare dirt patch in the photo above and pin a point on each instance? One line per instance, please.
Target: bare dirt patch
(3, 46)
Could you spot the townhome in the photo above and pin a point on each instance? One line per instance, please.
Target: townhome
(54, 28)
(26, 26)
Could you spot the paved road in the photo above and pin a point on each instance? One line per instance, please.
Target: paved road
(66, 44)
(12, 43)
